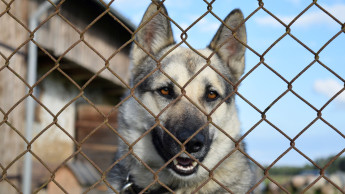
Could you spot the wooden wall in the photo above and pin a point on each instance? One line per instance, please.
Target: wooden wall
(12, 90)
(56, 36)
(100, 41)
(100, 147)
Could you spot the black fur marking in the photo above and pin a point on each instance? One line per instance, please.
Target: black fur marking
(182, 127)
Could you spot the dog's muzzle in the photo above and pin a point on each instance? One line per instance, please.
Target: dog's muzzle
(195, 144)
(183, 164)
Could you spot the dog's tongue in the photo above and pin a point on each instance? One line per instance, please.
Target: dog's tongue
(184, 161)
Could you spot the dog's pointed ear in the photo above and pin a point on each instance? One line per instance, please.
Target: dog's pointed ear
(228, 48)
(154, 33)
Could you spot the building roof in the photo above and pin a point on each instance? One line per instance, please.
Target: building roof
(101, 37)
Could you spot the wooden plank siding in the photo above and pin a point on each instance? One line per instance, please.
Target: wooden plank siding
(100, 146)
(101, 40)
(12, 90)
(81, 63)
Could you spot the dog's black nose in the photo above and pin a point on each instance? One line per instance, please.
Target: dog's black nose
(193, 145)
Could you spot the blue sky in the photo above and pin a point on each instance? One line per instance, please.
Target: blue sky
(317, 85)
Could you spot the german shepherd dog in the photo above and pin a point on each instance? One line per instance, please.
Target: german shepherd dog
(179, 127)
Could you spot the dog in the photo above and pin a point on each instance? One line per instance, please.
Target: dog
(178, 126)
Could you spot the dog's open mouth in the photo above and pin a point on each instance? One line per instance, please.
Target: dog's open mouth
(184, 166)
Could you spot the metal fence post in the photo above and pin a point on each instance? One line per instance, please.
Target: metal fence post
(30, 105)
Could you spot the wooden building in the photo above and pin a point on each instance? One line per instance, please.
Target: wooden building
(76, 177)
(76, 91)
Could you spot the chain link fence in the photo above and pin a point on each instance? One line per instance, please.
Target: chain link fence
(59, 49)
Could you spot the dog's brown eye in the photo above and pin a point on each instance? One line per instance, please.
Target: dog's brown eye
(165, 91)
(212, 95)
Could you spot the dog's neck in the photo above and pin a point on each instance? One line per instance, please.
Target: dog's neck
(131, 188)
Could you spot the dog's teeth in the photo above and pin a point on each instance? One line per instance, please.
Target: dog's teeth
(189, 168)
(184, 167)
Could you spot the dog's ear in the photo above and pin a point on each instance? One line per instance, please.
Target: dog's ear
(228, 48)
(154, 33)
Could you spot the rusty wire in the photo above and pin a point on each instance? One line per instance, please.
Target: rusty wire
(184, 35)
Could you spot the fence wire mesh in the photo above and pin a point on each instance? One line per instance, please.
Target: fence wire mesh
(11, 107)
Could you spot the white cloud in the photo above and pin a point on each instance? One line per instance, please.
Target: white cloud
(309, 18)
(295, 2)
(206, 25)
(330, 87)
(203, 25)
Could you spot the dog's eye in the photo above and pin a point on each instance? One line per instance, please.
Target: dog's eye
(212, 95)
(165, 91)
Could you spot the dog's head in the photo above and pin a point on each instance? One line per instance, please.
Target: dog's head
(190, 93)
